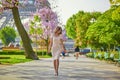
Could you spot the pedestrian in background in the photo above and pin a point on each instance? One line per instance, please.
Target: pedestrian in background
(77, 51)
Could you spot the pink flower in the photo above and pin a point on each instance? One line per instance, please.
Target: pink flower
(48, 17)
(9, 3)
(40, 3)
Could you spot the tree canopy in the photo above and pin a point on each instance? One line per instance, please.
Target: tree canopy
(114, 2)
(106, 29)
(95, 29)
(78, 24)
(7, 35)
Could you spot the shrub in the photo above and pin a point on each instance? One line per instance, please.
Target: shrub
(89, 55)
(21, 53)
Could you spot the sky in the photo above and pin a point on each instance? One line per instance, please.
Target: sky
(66, 8)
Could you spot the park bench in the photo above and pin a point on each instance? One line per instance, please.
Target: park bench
(94, 54)
(117, 61)
(100, 56)
(106, 55)
(109, 57)
(10, 48)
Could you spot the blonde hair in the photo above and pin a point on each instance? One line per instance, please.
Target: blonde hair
(57, 29)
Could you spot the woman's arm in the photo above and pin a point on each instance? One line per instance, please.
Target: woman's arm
(62, 44)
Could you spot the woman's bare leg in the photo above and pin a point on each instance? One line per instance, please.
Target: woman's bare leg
(54, 63)
(57, 66)
(77, 55)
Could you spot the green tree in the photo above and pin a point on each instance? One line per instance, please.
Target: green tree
(116, 15)
(35, 29)
(35, 26)
(82, 22)
(7, 35)
(115, 2)
(78, 24)
(105, 31)
(24, 36)
(116, 19)
(70, 27)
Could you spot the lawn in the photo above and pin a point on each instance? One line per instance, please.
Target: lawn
(13, 59)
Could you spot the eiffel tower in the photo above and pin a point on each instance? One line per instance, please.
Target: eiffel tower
(6, 18)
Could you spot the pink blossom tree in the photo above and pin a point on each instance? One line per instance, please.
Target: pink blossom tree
(14, 5)
(34, 29)
(48, 20)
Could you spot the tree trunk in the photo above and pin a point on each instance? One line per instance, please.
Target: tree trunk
(24, 36)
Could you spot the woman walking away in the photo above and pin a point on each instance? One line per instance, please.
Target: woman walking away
(56, 46)
(77, 52)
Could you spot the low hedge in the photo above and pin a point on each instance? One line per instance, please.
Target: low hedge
(21, 53)
(12, 52)
(89, 55)
(43, 53)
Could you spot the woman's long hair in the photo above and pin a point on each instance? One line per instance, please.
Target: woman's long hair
(58, 29)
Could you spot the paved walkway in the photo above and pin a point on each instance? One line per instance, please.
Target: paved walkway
(70, 69)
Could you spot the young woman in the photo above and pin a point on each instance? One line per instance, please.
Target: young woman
(56, 46)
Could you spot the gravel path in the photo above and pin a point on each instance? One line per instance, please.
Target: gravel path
(70, 69)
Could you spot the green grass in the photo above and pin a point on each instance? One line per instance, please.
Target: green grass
(14, 59)
(17, 59)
